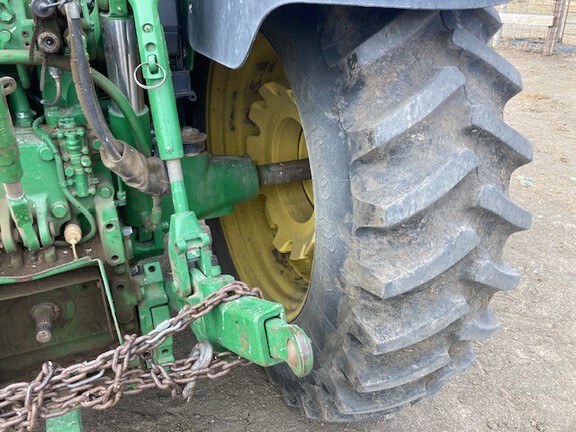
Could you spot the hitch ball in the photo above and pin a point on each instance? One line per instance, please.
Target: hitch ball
(44, 314)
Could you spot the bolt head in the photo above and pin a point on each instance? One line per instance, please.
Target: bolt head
(45, 153)
(127, 231)
(120, 269)
(59, 210)
(6, 17)
(43, 336)
(85, 161)
(106, 191)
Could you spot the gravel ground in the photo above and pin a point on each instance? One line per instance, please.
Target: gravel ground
(524, 378)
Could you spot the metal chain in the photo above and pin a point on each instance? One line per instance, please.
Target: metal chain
(101, 382)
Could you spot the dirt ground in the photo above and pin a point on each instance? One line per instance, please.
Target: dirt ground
(524, 378)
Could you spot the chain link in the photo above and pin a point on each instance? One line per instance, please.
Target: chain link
(101, 382)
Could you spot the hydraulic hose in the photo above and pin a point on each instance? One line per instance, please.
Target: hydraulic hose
(147, 174)
(140, 138)
(80, 68)
(62, 179)
(112, 91)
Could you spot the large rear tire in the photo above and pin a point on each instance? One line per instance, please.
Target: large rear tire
(411, 161)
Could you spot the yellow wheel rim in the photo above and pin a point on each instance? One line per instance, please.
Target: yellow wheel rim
(271, 238)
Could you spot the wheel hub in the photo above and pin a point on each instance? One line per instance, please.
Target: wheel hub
(270, 240)
(289, 208)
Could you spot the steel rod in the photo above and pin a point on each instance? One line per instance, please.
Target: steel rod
(284, 172)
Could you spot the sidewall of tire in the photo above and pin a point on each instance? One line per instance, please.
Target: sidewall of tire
(295, 34)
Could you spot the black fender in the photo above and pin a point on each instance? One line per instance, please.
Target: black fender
(223, 30)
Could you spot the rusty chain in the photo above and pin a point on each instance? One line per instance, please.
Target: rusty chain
(101, 382)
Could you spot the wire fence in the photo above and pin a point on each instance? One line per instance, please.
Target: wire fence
(567, 33)
(538, 25)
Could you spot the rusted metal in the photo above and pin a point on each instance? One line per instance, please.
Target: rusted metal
(193, 140)
(284, 172)
(101, 382)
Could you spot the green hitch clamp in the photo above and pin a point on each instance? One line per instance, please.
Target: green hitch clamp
(255, 329)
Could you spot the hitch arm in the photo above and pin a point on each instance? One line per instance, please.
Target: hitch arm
(253, 328)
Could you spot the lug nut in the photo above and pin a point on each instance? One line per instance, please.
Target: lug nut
(44, 315)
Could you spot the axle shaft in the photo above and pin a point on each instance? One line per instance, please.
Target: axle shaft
(284, 172)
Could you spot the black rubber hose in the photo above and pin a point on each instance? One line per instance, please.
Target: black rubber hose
(80, 68)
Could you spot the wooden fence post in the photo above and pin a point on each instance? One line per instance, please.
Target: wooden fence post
(552, 34)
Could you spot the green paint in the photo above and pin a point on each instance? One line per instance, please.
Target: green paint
(77, 206)
(148, 244)
(240, 327)
(64, 180)
(153, 307)
(185, 238)
(68, 99)
(73, 265)
(118, 8)
(254, 328)
(156, 72)
(20, 108)
(109, 297)
(121, 127)
(22, 217)
(70, 422)
(22, 57)
(137, 210)
(289, 343)
(79, 165)
(23, 76)
(16, 25)
(214, 184)
(10, 166)
(179, 196)
(110, 231)
(11, 173)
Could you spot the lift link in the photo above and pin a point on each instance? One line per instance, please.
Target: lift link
(11, 171)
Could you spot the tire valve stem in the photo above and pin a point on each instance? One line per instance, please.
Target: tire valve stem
(44, 315)
(73, 235)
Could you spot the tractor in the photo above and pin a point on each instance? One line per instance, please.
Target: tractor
(319, 187)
